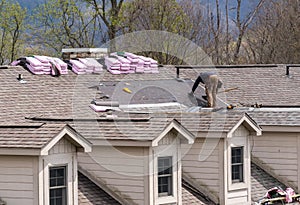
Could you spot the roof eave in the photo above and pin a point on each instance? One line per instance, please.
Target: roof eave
(174, 124)
(75, 138)
(247, 121)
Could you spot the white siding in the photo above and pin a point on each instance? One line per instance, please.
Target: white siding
(279, 151)
(120, 169)
(62, 153)
(238, 197)
(207, 173)
(18, 184)
(62, 146)
(240, 193)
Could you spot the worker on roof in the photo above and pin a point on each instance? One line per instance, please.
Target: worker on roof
(212, 84)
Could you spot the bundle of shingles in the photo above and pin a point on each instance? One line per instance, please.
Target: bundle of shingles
(46, 65)
(40, 65)
(125, 62)
(85, 65)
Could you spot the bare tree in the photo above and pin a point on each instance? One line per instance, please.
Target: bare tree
(108, 11)
(12, 25)
(68, 25)
(275, 36)
(242, 24)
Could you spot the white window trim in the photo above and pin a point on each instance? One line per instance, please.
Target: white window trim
(238, 185)
(68, 160)
(167, 151)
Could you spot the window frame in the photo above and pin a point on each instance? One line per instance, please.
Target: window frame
(68, 160)
(64, 186)
(173, 150)
(169, 176)
(240, 166)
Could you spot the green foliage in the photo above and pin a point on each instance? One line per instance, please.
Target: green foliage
(61, 23)
(12, 27)
(163, 15)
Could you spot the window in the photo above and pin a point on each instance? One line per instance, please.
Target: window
(237, 163)
(165, 176)
(58, 185)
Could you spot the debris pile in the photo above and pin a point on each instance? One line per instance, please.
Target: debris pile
(278, 195)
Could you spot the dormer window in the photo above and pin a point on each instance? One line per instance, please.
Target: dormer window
(165, 187)
(237, 164)
(58, 185)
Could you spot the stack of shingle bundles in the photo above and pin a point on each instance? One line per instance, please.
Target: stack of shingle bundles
(136, 63)
(60, 65)
(113, 65)
(153, 65)
(37, 67)
(150, 65)
(124, 64)
(93, 66)
(55, 63)
(78, 67)
(143, 64)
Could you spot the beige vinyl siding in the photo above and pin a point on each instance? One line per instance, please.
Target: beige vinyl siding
(18, 184)
(205, 174)
(240, 193)
(238, 197)
(279, 151)
(62, 146)
(120, 169)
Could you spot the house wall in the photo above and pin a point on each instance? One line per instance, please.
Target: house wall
(168, 146)
(120, 169)
(238, 193)
(279, 151)
(63, 153)
(18, 180)
(205, 173)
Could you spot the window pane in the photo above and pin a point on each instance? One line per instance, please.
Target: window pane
(237, 164)
(237, 154)
(58, 188)
(164, 176)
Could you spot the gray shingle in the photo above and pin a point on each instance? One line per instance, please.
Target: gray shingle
(91, 194)
(261, 182)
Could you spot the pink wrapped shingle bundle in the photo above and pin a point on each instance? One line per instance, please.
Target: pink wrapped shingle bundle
(125, 63)
(93, 66)
(61, 66)
(15, 62)
(122, 63)
(113, 65)
(37, 67)
(51, 64)
(78, 67)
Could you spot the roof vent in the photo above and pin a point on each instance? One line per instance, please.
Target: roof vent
(20, 79)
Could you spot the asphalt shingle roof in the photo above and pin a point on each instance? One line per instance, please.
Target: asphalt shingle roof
(255, 84)
(287, 118)
(91, 194)
(261, 182)
(191, 196)
(28, 136)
